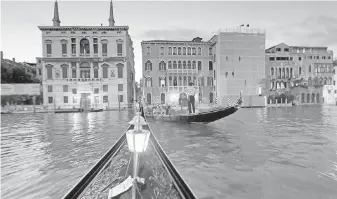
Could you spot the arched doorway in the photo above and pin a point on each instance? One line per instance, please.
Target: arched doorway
(162, 98)
(302, 98)
(308, 97)
(211, 97)
(148, 98)
(313, 98)
(317, 98)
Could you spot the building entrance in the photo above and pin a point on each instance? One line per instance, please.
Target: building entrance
(86, 101)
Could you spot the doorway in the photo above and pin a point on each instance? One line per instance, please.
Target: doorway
(85, 101)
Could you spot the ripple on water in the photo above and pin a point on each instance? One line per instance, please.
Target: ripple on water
(254, 153)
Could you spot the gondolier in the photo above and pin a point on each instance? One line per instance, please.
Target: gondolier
(191, 97)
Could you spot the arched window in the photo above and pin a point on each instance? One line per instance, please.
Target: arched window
(169, 64)
(309, 68)
(175, 83)
(170, 81)
(194, 51)
(162, 98)
(180, 81)
(170, 50)
(148, 82)
(49, 71)
(188, 64)
(179, 64)
(174, 50)
(184, 64)
(162, 65)
(210, 65)
(174, 64)
(299, 70)
(188, 51)
(148, 50)
(199, 50)
(287, 73)
(194, 65)
(148, 65)
(184, 50)
(199, 65)
(64, 71)
(148, 98)
(179, 50)
(84, 46)
(185, 81)
(271, 71)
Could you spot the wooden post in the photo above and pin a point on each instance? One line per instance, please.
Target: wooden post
(135, 164)
(34, 102)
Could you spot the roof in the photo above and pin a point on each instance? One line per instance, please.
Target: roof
(87, 28)
(298, 46)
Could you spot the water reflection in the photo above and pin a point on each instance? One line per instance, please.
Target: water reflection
(254, 153)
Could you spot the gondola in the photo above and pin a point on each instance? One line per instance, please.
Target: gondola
(201, 117)
(160, 178)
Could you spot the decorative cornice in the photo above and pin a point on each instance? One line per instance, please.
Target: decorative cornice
(84, 28)
(87, 59)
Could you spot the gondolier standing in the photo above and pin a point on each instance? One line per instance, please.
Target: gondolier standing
(191, 97)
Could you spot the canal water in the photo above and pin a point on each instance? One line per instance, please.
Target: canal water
(255, 153)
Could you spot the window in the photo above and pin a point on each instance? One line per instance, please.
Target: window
(50, 100)
(271, 58)
(105, 99)
(278, 49)
(199, 50)
(48, 46)
(120, 68)
(96, 90)
(73, 69)
(148, 50)
(299, 58)
(149, 82)
(104, 49)
(64, 46)
(148, 66)
(161, 82)
(309, 69)
(105, 88)
(194, 51)
(84, 46)
(189, 65)
(184, 64)
(120, 87)
(199, 65)
(286, 50)
(184, 50)
(209, 81)
(49, 72)
(105, 71)
(179, 50)
(50, 88)
(170, 51)
(162, 50)
(162, 65)
(174, 64)
(210, 52)
(65, 99)
(194, 65)
(95, 40)
(210, 65)
(74, 99)
(188, 51)
(73, 46)
(64, 71)
(40, 72)
(65, 88)
(179, 64)
(169, 64)
(120, 98)
(162, 98)
(74, 91)
(119, 49)
(95, 69)
(174, 50)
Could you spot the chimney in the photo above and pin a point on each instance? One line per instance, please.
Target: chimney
(13, 59)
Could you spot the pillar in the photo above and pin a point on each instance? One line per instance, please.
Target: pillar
(34, 102)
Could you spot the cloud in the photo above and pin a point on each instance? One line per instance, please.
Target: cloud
(175, 34)
(313, 31)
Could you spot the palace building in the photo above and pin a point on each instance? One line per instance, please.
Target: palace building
(87, 66)
(308, 67)
(229, 63)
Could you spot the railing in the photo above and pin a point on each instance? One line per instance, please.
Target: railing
(193, 71)
(83, 79)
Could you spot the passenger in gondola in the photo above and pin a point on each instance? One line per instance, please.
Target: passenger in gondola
(191, 98)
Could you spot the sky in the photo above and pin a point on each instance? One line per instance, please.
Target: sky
(305, 23)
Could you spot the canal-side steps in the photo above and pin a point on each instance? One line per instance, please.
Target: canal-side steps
(136, 166)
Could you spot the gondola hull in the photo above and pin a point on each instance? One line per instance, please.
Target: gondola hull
(202, 117)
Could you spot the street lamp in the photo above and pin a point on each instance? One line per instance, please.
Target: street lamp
(138, 139)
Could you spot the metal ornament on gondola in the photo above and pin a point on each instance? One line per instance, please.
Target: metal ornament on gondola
(138, 138)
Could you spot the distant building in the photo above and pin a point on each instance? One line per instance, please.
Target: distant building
(291, 66)
(87, 66)
(229, 63)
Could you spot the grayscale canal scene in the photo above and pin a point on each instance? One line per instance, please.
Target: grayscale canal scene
(168, 100)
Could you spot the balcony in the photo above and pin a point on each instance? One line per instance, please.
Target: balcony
(323, 74)
(83, 79)
(181, 71)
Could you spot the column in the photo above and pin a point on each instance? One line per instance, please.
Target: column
(78, 70)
